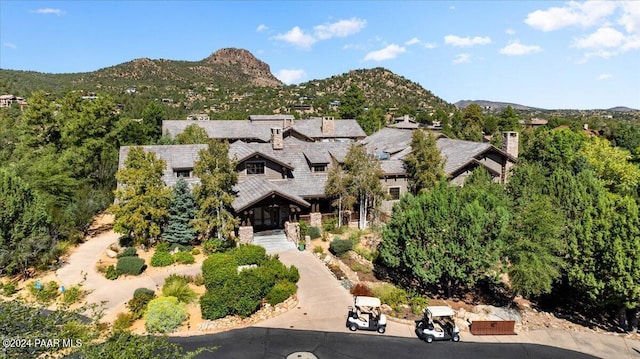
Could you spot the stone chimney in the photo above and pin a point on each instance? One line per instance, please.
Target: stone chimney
(510, 143)
(328, 125)
(276, 138)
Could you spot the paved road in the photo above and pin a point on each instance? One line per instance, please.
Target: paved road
(268, 343)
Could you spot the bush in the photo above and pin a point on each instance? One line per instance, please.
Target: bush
(318, 250)
(9, 289)
(216, 245)
(111, 273)
(249, 254)
(213, 304)
(314, 232)
(181, 247)
(164, 315)
(294, 275)
(73, 294)
(130, 265)
(173, 278)
(367, 254)
(184, 258)
(138, 304)
(197, 279)
(161, 259)
(123, 322)
(281, 291)
(340, 246)
(361, 289)
(145, 291)
(162, 247)
(304, 228)
(329, 224)
(128, 252)
(218, 269)
(247, 291)
(390, 294)
(125, 241)
(47, 292)
(179, 289)
(195, 251)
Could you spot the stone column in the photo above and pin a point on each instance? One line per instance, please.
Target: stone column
(315, 219)
(245, 234)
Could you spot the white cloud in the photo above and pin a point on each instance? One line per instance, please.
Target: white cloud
(466, 41)
(262, 27)
(297, 37)
(10, 45)
(510, 31)
(430, 45)
(603, 37)
(342, 28)
(50, 11)
(515, 48)
(289, 76)
(605, 76)
(462, 59)
(630, 18)
(585, 14)
(390, 52)
(412, 41)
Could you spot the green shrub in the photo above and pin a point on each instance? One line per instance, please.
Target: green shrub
(130, 265)
(195, 251)
(293, 276)
(390, 294)
(247, 292)
(184, 258)
(179, 278)
(367, 254)
(218, 269)
(249, 254)
(180, 290)
(213, 304)
(9, 289)
(304, 228)
(217, 245)
(197, 279)
(329, 223)
(128, 252)
(314, 232)
(355, 236)
(111, 273)
(340, 246)
(162, 247)
(281, 291)
(47, 292)
(318, 250)
(161, 259)
(73, 294)
(164, 315)
(146, 291)
(340, 230)
(181, 247)
(417, 302)
(123, 322)
(138, 304)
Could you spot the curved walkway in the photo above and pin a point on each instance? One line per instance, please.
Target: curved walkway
(81, 268)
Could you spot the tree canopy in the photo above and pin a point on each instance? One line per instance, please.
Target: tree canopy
(425, 165)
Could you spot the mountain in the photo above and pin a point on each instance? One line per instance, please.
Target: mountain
(495, 105)
(230, 83)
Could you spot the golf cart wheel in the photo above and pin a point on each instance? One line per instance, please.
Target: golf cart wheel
(381, 330)
(456, 338)
(353, 327)
(428, 339)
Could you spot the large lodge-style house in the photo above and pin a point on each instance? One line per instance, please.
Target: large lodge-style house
(282, 163)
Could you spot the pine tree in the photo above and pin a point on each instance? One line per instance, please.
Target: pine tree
(425, 166)
(181, 213)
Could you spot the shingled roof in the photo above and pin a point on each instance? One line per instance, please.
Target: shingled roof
(312, 128)
(222, 129)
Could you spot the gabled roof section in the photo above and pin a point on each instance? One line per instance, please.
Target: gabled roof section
(458, 152)
(254, 190)
(312, 128)
(316, 157)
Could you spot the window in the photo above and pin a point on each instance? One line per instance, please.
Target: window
(394, 192)
(182, 173)
(319, 168)
(255, 168)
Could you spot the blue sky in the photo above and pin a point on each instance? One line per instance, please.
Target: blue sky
(547, 54)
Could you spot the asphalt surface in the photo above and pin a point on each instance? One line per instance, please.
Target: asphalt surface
(271, 343)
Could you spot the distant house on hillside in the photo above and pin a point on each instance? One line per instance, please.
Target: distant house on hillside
(405, 122)
(8, 100)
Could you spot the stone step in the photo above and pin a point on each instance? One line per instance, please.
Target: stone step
(274, 243)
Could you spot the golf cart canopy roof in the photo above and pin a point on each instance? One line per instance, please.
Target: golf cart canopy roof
(367, 301)
(440, 311)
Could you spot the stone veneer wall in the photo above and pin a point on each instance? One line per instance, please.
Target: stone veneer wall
(315, 219)
(245, 234)
(292, 230)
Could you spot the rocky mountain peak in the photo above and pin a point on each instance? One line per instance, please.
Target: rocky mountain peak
(248, 64)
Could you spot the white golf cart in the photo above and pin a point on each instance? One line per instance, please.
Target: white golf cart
(437, 323)
(366, 315)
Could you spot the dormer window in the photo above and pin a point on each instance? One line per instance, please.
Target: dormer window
(255, 168)
(320, 168)
(182, 173)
